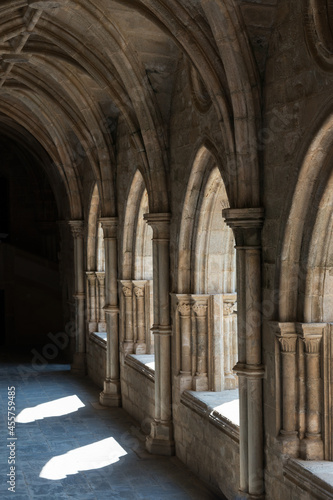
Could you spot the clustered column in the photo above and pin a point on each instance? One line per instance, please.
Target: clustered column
(160, 441)
(111, 393)
(79, 358)
(246, 225)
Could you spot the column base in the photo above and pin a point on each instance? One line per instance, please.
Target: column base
(200, 383)
(111, 396)
(289, 444)
(140, 348)
(184, 382)
(160, 441)
(242, 495)
(312, 448)
(78, 365)
(128, 347)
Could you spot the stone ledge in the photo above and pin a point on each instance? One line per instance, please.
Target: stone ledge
(98, 338)
(195, 401)
(315, 477)
(139, 362)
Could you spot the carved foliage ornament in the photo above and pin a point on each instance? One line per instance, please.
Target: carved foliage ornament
(139, 292)
(184, 308)
(319, 31)
(200, 309)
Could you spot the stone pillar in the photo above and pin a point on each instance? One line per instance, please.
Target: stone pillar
(111, 394)
(246, 225)
(127, 290)
(101, 301)
(200, 308)
(287, 338)
(140, 337)
(312, 445)
(91, 280)
(79, 358)
(160, 441)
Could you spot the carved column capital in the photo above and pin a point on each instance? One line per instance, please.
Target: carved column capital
(77, 228)
(229, 308)
(288, 344)
(101, 278)
(91, 276)
(127, 290)
(200, 309)
(160, 224)
(184, 308)
(109, 226)
(312, 344)
(139, 292)
(246, 224)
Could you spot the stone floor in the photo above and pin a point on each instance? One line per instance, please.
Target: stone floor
(68, 446)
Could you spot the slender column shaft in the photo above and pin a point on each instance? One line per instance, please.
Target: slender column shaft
(111, 393)
(127, 290)
(77, 228)
(160, 440)
(101, 297)
(246, 224)
(140, 342)
(184, 309)
(91, 277)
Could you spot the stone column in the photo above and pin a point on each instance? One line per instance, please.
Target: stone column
(140, 340)
(127, 290)
(160, 441)
(312, 445)
(229, 340)
(246, 225)
(287, 338)
(91, 279)
(111, 394)
(200, 308)
(79, 358)
(101, 301)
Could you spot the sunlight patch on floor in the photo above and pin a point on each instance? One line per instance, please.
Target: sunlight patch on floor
(93, 456)
(55, 408)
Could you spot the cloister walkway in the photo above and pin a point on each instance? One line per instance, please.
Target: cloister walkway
(65, 445)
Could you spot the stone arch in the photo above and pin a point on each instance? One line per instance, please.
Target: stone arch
(304, 229)
(95, 240)
(206, 191)
(137, 245)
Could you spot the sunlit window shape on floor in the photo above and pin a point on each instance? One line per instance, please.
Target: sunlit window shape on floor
(55, 408)
(229, 410)
(90, 457)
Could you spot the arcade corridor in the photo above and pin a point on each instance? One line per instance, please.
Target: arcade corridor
(68, 446)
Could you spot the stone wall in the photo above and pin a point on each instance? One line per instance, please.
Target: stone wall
(96, 360)
(138, 395)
